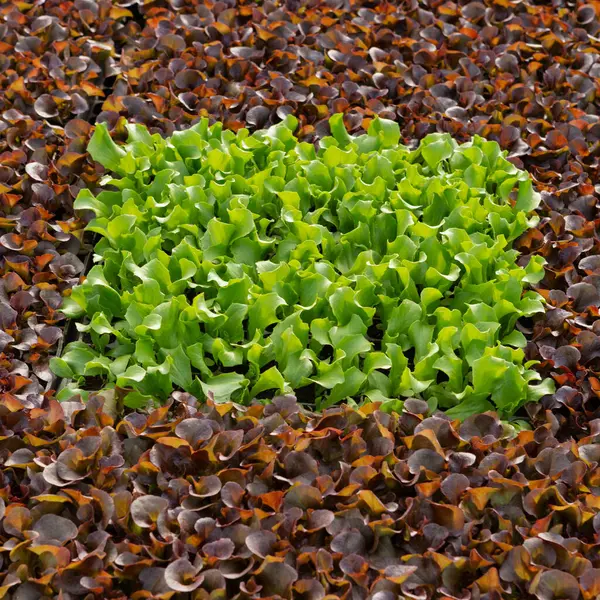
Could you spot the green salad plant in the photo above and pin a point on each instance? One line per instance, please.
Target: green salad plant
(245, 264)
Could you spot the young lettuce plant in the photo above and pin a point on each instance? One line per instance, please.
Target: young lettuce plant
(238, 265)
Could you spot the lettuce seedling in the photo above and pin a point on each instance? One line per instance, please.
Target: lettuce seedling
(239, 265)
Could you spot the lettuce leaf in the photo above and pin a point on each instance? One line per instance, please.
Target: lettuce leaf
(236, 265)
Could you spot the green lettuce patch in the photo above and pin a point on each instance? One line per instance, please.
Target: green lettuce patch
(242, 265)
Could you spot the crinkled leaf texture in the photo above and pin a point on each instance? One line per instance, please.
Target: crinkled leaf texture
(234, 264)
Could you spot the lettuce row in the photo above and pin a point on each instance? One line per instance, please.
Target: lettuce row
(241, 264)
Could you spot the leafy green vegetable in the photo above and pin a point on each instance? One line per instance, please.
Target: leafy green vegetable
(235, 264)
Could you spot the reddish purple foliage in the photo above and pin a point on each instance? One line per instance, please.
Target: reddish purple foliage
(272, 502)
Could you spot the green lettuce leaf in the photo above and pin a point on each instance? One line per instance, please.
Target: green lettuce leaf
(233, 264)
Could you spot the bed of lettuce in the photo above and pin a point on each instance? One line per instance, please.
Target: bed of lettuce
(242, 265)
